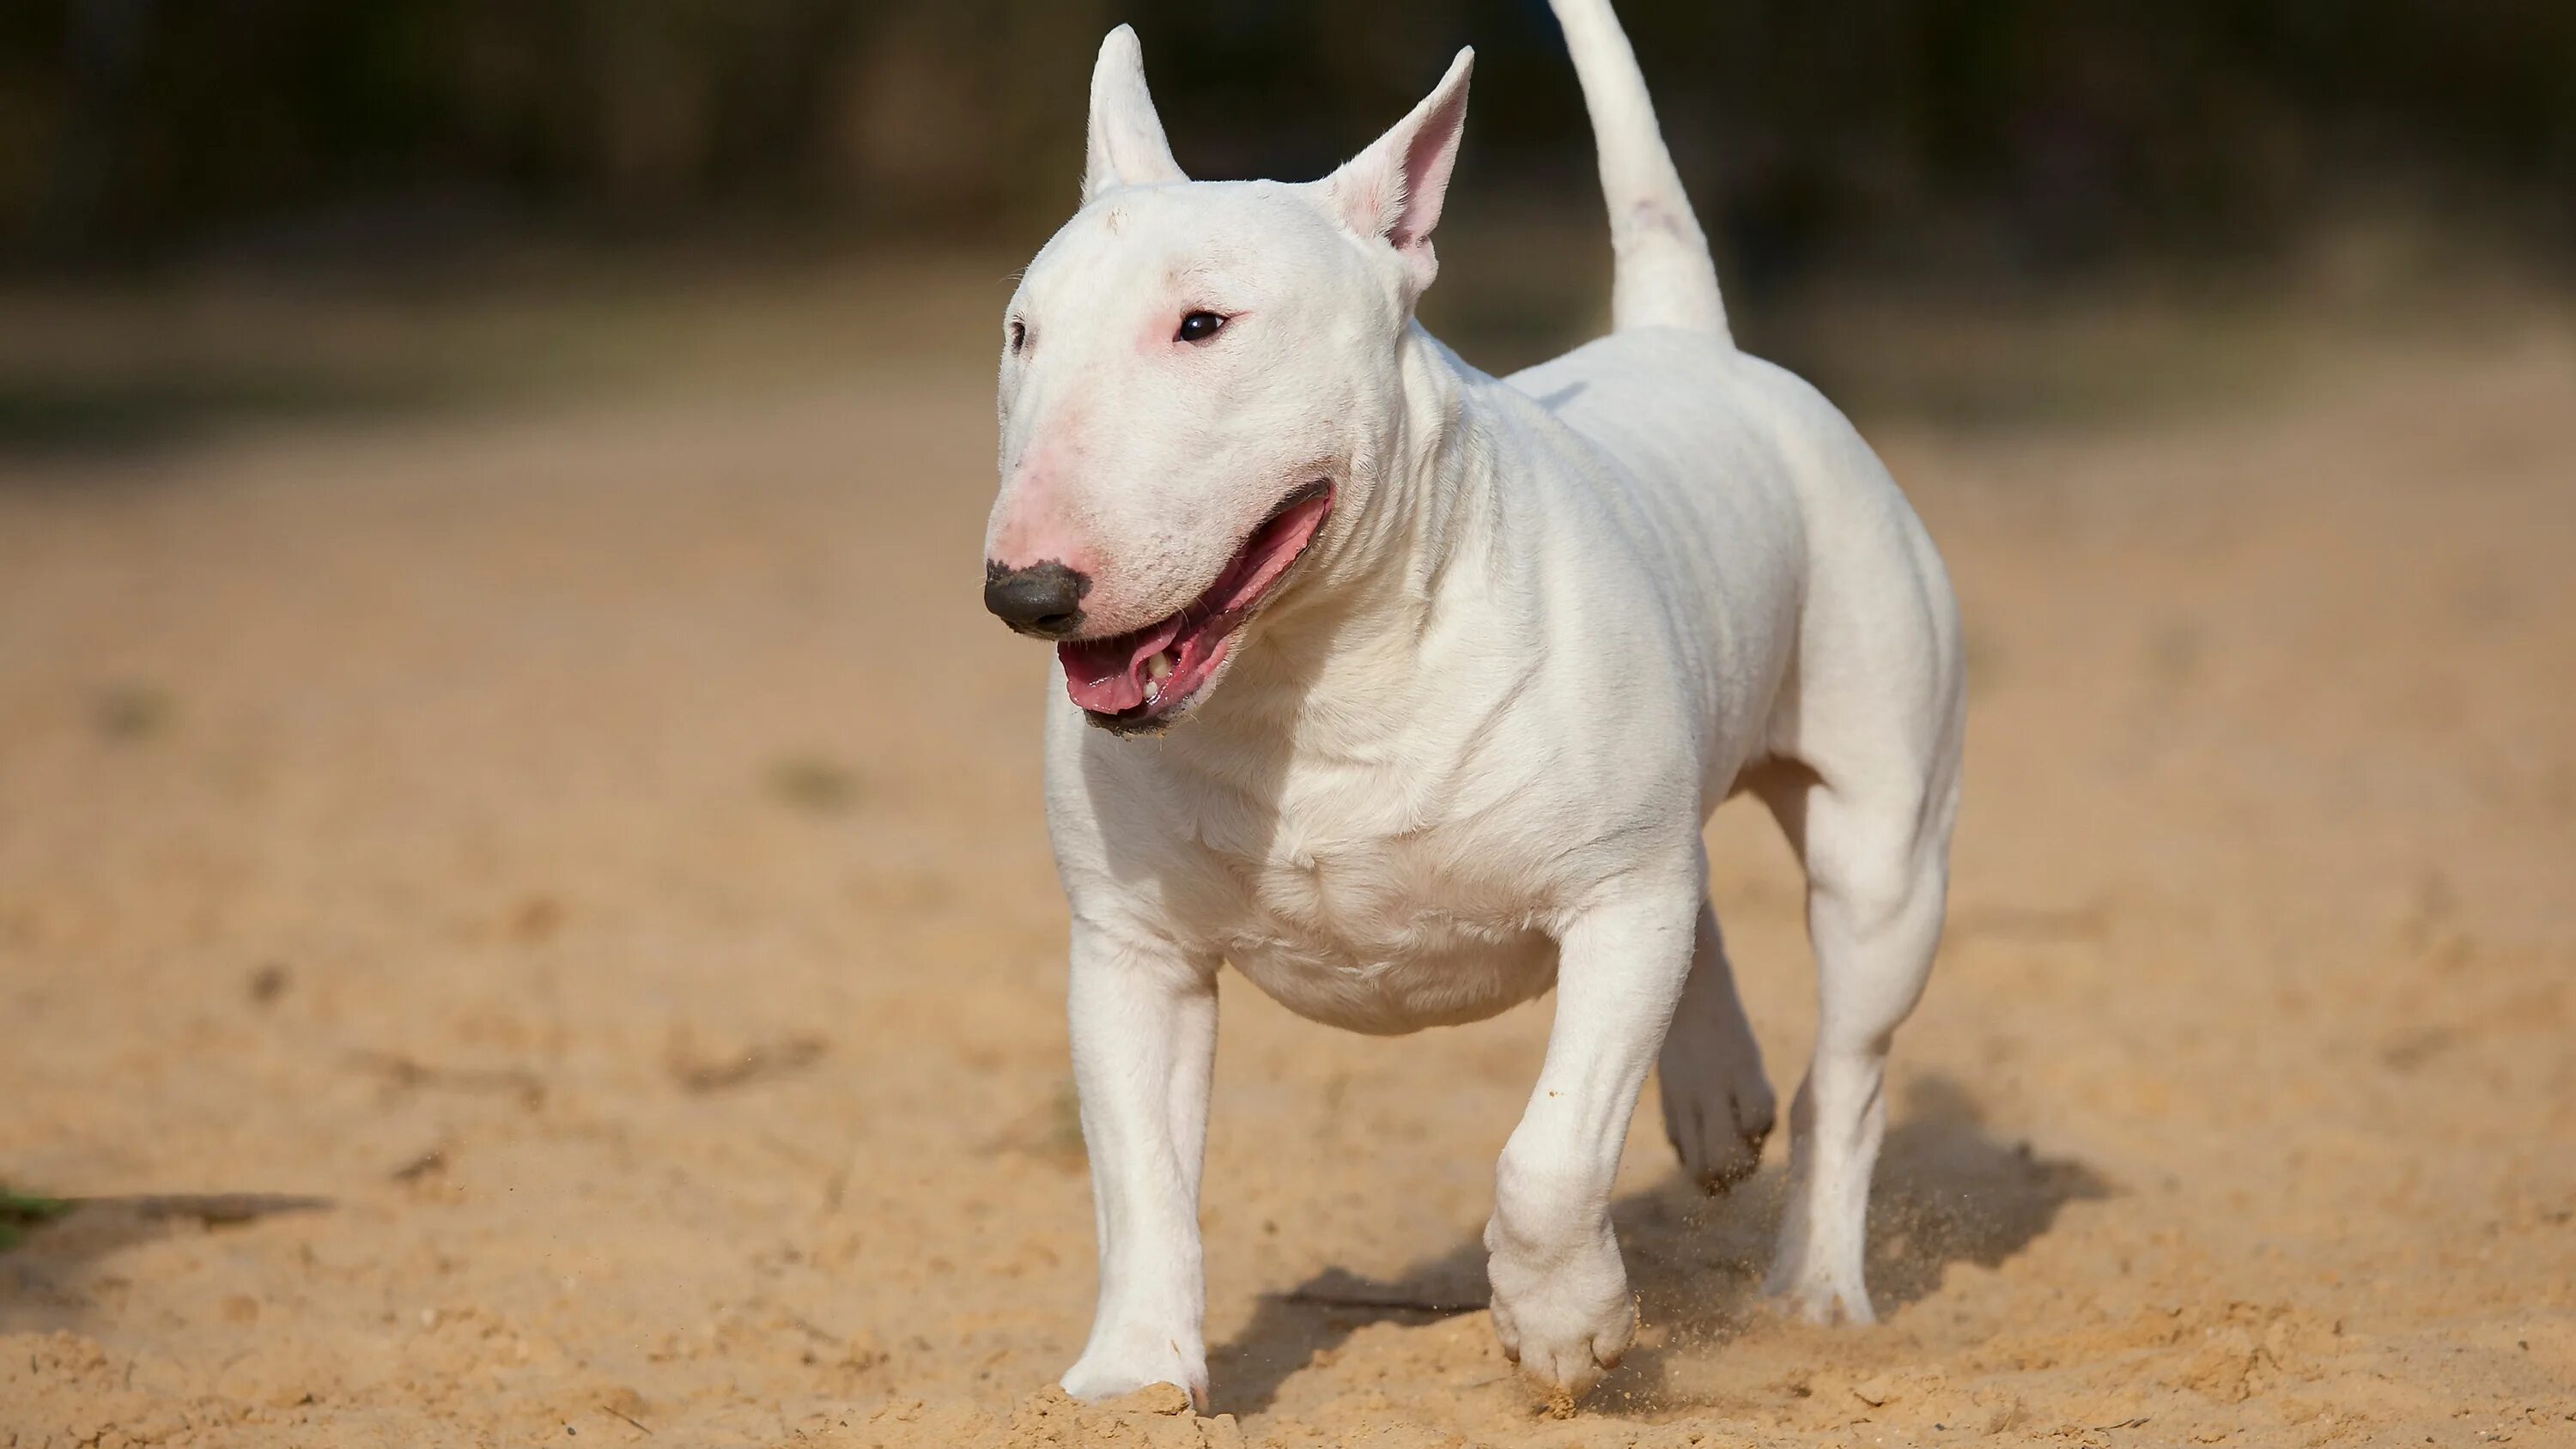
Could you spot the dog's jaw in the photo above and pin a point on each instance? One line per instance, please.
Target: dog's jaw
(1145, 680)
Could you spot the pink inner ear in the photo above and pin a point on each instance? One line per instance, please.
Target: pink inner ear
(1394, 188)
(1430, 154)
(1375, 199)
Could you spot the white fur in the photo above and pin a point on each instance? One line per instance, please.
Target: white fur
(1465, 752)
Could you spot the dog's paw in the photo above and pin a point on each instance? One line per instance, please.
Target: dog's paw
(1564, 1318)
(1718, 1111)
(1819, 1296)
(1117, 1364)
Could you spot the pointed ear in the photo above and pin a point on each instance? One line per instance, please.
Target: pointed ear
(1127, 145)
(1393, 190)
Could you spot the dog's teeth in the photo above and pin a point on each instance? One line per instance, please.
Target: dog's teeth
(1153, 691)
(1159, 668)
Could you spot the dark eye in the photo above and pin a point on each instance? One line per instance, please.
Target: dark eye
(1019, 335)
(1199, 327)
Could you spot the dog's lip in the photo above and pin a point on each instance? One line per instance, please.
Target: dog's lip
(1110, 679)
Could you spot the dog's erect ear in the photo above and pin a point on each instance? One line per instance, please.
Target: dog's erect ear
(1394, 188)
(1127, 145)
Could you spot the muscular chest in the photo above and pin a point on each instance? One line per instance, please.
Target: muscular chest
(1372, 910)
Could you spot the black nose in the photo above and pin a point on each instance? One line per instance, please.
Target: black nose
(1044, 599)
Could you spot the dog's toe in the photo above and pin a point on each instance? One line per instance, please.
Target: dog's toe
(1717, 1122)
(1819, 1298)
(1572, 1364)
(1109, 1370)
(1565, 1326)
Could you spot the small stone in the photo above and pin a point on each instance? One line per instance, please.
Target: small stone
(864, 1351)
(1874, 1391)
(268, 983)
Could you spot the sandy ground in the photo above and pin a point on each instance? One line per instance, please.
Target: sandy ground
(536, 928)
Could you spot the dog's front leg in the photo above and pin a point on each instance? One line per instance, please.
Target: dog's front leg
(1561, 1305)
(1144, 1040)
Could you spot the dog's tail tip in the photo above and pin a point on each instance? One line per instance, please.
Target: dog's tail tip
(1664, 276)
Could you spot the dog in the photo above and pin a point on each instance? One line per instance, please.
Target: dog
(1408, 690)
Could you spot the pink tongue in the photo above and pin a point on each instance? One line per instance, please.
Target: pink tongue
(1107, 676)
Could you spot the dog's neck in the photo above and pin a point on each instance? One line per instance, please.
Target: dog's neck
(1430, 491)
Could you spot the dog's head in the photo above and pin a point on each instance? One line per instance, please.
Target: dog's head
(1200, 393)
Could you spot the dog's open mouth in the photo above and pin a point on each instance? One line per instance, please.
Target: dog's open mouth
(1144, 676)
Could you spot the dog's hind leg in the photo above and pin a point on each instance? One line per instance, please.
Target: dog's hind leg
(1876, 852)
(1718, 1107)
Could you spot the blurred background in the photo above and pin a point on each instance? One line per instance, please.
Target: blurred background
(1947, 135)
(484, 151)
(524, 905)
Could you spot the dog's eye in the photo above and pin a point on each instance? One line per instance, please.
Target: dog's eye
(1019, 334)
(1199, 327)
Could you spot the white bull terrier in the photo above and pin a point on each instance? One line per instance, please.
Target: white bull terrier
(1407, 690)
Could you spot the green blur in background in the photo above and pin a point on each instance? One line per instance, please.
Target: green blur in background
(226, 213)
(1945, 135)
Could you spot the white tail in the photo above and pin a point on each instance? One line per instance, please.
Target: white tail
(1664, 277)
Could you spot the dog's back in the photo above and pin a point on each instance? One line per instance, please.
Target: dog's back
(1780, 520)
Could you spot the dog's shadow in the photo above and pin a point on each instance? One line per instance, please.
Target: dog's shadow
(1948, 1191)
(50, 1248)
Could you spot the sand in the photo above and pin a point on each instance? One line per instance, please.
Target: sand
(535, 927)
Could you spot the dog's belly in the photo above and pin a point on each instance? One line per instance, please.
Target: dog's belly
(1389, 965)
